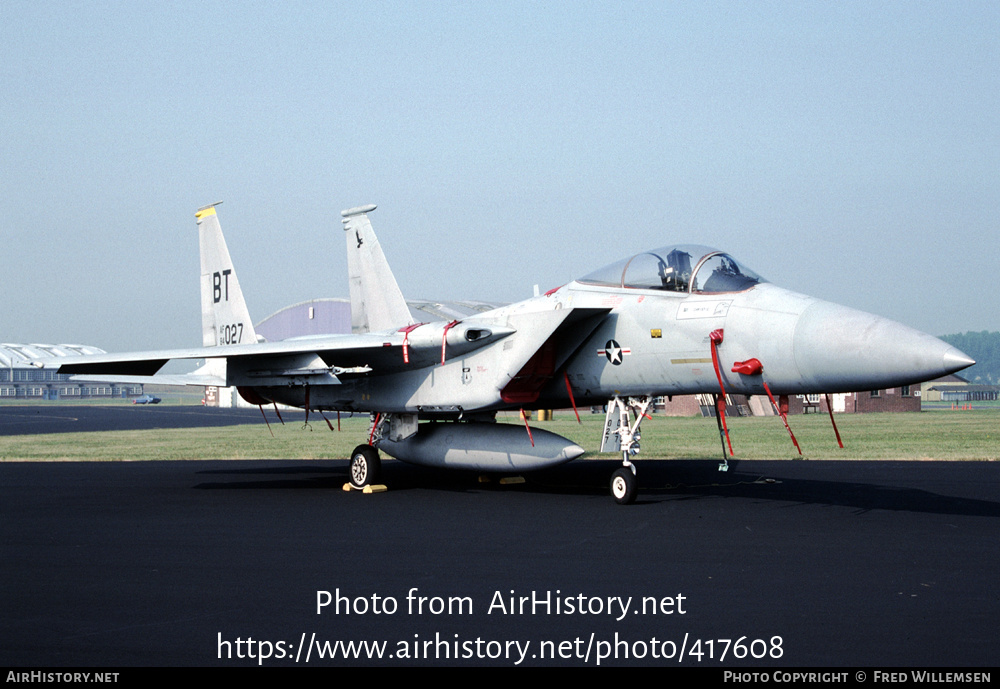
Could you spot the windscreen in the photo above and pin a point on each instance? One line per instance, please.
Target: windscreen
(682, 268)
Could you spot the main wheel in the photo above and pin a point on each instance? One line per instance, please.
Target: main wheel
(365, 466)
(624, 486)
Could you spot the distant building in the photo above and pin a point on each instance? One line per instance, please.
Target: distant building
(816, 404)
(968, 392)
(704, 405)
(681, 405)
(901, 399)
(331, 316)
(905, 399)
(932, 389)
(314, 317)
(21, 379)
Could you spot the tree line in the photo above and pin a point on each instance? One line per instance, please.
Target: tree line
(984, 347)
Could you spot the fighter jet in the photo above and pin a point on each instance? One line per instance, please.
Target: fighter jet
(678, 320)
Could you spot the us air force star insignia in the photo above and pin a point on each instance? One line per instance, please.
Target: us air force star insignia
(614, 352)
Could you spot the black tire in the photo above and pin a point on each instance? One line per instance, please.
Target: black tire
(624, 486)
(364, 467)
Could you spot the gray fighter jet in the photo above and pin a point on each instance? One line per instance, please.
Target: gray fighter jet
(678, 320)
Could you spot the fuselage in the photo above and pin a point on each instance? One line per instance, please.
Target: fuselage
(645, 341)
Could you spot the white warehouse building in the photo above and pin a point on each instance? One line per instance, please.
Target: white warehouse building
(20, 379)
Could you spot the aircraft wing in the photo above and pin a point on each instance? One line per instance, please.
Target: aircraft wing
(147, 363)
(272, 363)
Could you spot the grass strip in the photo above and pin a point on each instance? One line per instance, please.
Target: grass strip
(953, 436)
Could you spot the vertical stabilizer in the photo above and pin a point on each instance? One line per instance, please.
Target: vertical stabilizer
(224, 316)
(376, 302)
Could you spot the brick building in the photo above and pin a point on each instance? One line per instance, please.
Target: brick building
(906, 398)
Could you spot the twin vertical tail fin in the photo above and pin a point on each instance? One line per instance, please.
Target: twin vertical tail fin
(376, 302)
(225, 319)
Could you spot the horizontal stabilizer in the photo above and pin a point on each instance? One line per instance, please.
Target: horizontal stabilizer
(127, 367)
(160, 379)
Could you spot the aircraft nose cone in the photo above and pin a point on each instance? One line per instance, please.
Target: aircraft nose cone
(955, 360)
(839, 349)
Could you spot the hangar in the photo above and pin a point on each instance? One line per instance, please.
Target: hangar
(333, 316)
(20, 380)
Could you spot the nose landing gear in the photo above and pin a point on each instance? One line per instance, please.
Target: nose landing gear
(624, 485)
(622, 434)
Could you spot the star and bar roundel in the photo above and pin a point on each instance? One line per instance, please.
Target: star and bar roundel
(614, 351)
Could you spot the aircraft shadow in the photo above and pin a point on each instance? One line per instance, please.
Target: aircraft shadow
(699, 479)
(660, 481)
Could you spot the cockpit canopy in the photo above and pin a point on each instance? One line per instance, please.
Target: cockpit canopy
(682, 268)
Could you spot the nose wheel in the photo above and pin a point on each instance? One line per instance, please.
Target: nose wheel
(624, 485)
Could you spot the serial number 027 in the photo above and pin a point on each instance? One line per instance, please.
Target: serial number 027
(741, 648)
(231, 334)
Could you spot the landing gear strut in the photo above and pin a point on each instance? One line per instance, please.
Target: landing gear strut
(622, 434)
(364, 467)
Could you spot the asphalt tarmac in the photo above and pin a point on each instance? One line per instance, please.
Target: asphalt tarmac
(61, 418)
(774, 563)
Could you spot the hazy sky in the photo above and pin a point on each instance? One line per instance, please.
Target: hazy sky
(847, 150)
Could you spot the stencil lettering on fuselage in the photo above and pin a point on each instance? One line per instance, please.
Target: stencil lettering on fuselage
(703, 309)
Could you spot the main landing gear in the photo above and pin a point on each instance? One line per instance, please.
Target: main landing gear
(622, 434)
(364, 467)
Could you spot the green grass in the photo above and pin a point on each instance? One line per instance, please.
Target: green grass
(290, 441)
(968, 435)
